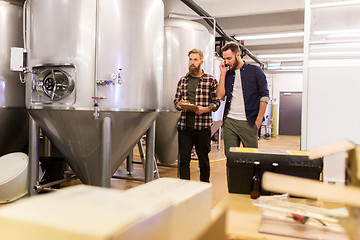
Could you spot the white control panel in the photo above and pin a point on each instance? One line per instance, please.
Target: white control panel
(17, 59)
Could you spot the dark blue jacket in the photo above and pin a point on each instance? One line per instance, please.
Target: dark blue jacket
(254, 87)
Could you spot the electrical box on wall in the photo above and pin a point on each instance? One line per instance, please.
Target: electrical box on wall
(16, 59)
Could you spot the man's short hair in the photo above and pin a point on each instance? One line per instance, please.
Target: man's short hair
(233, 46)
(196, 51)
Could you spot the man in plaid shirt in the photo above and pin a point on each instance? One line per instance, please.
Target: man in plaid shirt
(197, 88)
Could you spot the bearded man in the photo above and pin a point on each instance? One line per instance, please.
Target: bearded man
(246, 90)
(199, 89)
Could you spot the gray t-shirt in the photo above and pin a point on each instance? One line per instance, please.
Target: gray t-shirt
(190, 115)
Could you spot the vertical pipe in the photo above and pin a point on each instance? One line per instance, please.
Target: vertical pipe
(96, 51)
(156, 170)
(142, 155)
(33, 169)
(150, 153)
(25, 25)
(129, 163)
(219, 138)
(47, 147)
(305, 95)
(96, 97)
(105, 152)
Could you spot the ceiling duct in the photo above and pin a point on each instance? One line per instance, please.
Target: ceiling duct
(197, 9)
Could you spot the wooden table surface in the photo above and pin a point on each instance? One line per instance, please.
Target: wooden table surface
(243, 218)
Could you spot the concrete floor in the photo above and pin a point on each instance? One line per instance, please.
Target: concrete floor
(217, 166)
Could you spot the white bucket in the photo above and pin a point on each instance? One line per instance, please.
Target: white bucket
(13, 176)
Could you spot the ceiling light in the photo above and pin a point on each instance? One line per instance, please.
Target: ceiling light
(351, 45)
(270, 36)
(279, 66)
(335, 63)
(339, 33)
(333, 53)
(285, 55)
(273, 65)
(292, 68)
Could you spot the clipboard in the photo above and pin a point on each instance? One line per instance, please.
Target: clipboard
(188, 106)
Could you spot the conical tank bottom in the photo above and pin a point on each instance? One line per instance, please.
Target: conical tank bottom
(166, 137)
(77, 136)
(14, 132)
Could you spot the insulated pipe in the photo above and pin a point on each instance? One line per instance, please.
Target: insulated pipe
(150, 153)
(196, 8)
(105, 152)
(33, 167)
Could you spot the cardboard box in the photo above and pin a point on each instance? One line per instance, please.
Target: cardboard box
(162, 209)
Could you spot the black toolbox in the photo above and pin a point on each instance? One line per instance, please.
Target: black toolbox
(240, 166)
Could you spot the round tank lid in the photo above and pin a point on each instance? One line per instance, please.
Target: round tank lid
(182, 23)
(11, 165)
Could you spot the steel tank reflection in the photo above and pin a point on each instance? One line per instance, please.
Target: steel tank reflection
(218, 115)
(91, 61)
(13, 115)
(180, 37)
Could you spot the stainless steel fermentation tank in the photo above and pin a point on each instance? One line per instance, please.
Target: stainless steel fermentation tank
(13, 116)
(96, 77)
(180, 37)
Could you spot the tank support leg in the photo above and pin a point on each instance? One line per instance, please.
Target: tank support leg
(105, 153)
(219, 139)
(47, 146)
(129, 163)
(33, 167)
(142, 154)
(150, 153)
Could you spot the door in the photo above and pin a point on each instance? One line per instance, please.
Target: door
(290, 113)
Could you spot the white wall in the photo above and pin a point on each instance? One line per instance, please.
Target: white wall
(331, 75)
(283, 82)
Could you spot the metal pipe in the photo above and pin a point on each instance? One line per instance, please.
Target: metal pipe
(129, 163)
(142, 155)
(105, 152)
(156, 170)
(25, 15)
(33, 169)
(96, 97)
(196, 8)
(39, 188)
(219, 138)
(150, 153)
(47, 147)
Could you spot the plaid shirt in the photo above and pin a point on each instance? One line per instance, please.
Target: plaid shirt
(205, 97)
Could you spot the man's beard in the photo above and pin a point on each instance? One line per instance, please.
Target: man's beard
(235, 65)
(194, 70)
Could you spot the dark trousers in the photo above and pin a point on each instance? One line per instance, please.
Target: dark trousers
(201, 139)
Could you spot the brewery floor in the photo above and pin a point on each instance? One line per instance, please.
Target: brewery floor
(217, 165)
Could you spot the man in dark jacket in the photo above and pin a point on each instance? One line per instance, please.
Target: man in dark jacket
(245, 88)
